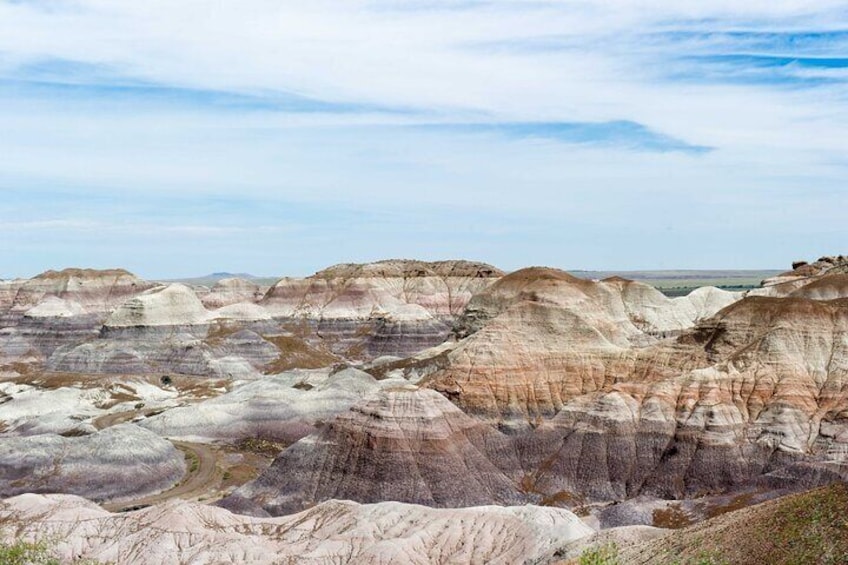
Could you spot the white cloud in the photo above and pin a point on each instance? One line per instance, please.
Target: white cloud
(572, 61)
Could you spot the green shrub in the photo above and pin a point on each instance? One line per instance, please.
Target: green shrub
(33, 553)
(26, 553)
(601, 555)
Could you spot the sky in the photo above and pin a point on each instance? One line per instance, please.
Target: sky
(277, 137)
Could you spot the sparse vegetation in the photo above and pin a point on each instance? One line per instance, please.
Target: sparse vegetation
(672, 516)
(609, 554)
(26, 553)
(192, 462)
(600, 555)
(805, 528)
(261, 446)
(295, 352)
(21, 552)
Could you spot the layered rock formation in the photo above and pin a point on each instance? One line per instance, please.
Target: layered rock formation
(407, 444)
(768, 410)
(282, 408)
(58, 308)
(112, 322)
(332, 532)
(229, 291)
(364, 311)
(540, 337)
(599, 409)
(540, 387)
(117, 463)
(90, 290)
(69, 407)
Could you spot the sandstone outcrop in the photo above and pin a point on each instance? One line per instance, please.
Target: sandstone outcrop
(332, 532)
(803, 274)
(406, 444)
(120, 462)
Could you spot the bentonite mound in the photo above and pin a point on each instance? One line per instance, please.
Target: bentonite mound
(829, 287)
(229, 291)
(283, 408)
(405, 445)
(540, 337)
(81, 320)
(752, 395)
(770, 410)
(117, 463)
(396, 307)
(635, 308)
(94, 291)
(172, 305)
(332, 532)
(59, 308)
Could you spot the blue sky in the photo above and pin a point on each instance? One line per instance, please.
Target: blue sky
(278, 137)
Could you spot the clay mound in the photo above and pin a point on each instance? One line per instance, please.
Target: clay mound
(241, 311)
(802, 528)
(117, 463)
(363, 311)
(766, 408)
(232, 291)
(8, 291)
(759, 321)
(170, 305)
(405, 445)
(282, 408)
(361, 290)
(540, 337)
(635, 307)
(55, 307)
(617, 279)
(332, 532)
(94, 291)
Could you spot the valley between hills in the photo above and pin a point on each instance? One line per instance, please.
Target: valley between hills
(426, 412)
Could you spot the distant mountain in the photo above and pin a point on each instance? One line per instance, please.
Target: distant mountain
(212, 278)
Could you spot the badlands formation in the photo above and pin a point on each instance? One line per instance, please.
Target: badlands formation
(404, 411)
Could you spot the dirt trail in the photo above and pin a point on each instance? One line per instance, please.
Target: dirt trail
(200, 477)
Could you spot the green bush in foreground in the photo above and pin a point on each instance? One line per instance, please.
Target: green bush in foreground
(26, 553)
(608, 555)
(602, 555)
(33, 553)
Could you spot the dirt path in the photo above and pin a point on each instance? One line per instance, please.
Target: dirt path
(200, 477)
